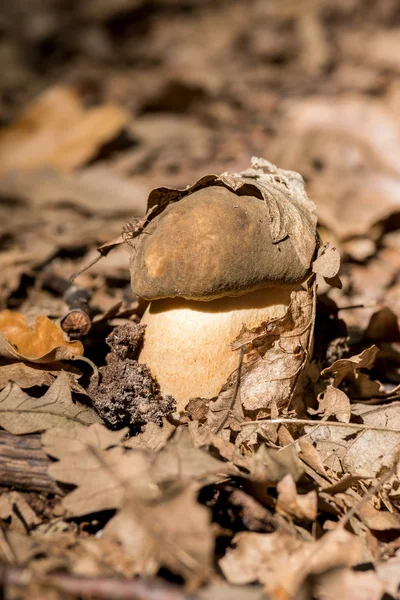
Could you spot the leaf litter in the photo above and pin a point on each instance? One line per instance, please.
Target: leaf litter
(286, 484)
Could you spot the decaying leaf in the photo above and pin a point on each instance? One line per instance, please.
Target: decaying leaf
(56, 131)
(272, 363)
(44, 344)
(21, 413)
(155, 528)
(269, 466)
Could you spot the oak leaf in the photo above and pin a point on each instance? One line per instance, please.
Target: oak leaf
(21, 413)
(94, 460)
(174, 531)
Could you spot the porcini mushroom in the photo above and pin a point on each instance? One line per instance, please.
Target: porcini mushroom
(213, 261)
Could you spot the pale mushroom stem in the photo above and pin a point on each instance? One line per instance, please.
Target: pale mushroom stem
(187, 343)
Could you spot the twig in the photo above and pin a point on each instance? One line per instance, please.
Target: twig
(354, 306)
(287, 421)
(94, 587)
(236, 389)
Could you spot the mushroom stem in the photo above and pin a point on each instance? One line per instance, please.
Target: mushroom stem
(187, 343)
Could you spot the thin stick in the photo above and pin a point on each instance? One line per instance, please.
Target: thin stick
(236, 389)
(72, 278)
(353, 306)
(283, 421)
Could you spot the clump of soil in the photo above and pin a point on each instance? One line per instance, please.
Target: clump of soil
(126, 394)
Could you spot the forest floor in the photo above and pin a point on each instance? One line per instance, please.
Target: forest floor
(106, 491)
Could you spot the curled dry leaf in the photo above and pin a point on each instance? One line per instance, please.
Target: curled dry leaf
(292, 504)
(26, 375)
(335, 403)
(340, 369)
(154, 436)
(45, 343)
(276, 352)
(56, 131)
(269, 466)
(180, 462)
(21, 413)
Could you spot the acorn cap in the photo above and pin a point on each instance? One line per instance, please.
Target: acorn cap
(215, 243)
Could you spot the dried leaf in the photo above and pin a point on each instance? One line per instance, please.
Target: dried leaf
(276, 354)
(173, 531)
(179, 462)
(362, 453)
(44, 344)
(327, 262)
(311, 457)
(13, 506)
(379, 520)
(154, 437)
(269, 466)
(21, 413)
(346, 366)
(55, 131)
(94, 460)
(335, 403)
(31, 375)
(348, 585)
(282, 562)
(292, 504)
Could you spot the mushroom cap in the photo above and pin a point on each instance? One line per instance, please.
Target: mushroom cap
(215, 243)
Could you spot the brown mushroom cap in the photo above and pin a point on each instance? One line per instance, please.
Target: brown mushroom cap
(215, 243)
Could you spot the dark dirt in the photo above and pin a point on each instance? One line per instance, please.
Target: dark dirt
(126, 393)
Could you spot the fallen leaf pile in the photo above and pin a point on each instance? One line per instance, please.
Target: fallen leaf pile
(278, 488)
